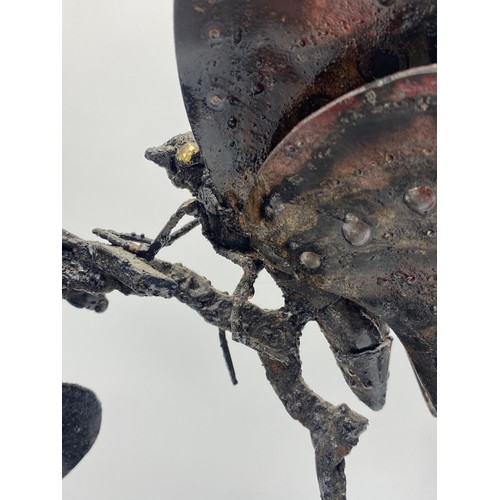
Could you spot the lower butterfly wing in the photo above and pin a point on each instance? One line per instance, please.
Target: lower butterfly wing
(359, 340)
(346, 203)
(362, 347)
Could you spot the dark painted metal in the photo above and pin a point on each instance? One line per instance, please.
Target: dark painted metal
(250, 70)
(342, 211)
(81, 421)
(354, 185)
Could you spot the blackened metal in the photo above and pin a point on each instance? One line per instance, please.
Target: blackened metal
(81, 421)
(274, 62)
(359, 157)
(183, 230)
(227, 356)
(345, 223)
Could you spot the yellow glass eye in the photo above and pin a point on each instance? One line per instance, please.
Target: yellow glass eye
(185, 153)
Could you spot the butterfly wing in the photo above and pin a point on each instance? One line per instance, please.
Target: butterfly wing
(251, 70)
(346, 203)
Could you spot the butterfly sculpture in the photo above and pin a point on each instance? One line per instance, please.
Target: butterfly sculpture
(313, 155)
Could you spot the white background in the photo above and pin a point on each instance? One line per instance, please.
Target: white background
(173, 425)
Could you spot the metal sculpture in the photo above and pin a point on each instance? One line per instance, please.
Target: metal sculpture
(313, 155)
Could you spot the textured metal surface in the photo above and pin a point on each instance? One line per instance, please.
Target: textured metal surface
(347, 204)
(81, 421)
(350, 229)
(251, 70)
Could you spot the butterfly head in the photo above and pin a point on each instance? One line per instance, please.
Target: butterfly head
(181, 158)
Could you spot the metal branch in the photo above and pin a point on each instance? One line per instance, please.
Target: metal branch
(91, 269)
(334, 429)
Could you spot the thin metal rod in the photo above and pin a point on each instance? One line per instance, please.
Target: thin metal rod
(162, 240)
(227, 356)
(182, 231)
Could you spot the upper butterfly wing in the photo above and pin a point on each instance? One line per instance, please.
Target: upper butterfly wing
(251, 70)
(346, 203)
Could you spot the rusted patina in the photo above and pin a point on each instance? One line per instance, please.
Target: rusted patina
(347, 204)
(251, 70)
(313, 154)
(342, 210)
